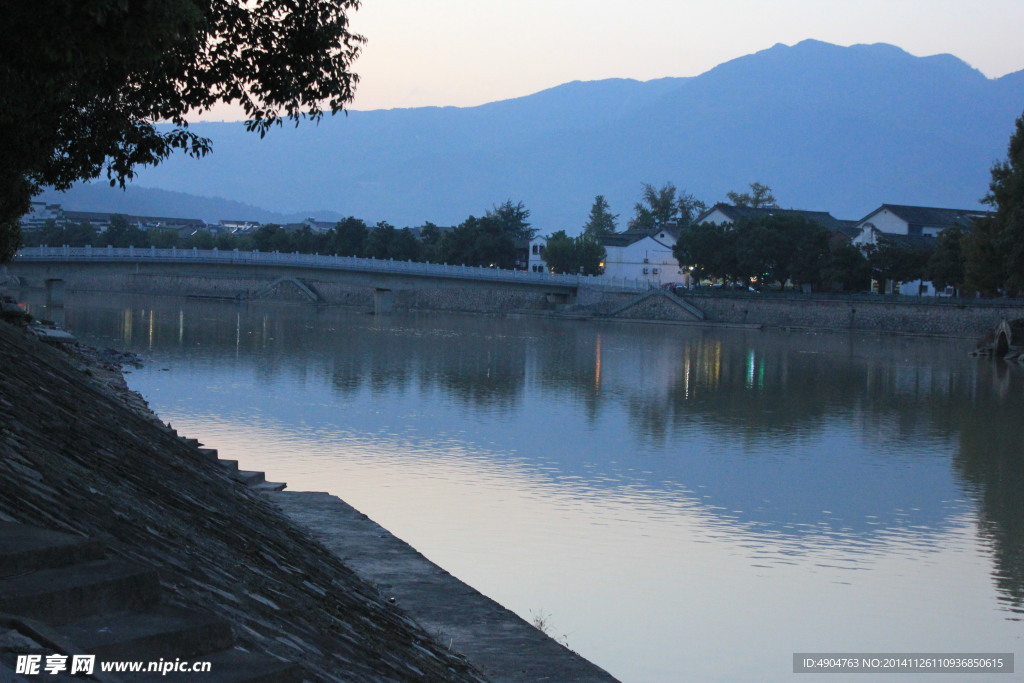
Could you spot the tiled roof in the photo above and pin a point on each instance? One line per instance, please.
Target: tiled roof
(101, 217)
(622, 239)
(931, 216)
(634, 235)
(736, 213)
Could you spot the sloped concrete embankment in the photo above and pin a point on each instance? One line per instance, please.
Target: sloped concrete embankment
(75, 458)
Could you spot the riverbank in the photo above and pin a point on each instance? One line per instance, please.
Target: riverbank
(825, 312)
(82, 456)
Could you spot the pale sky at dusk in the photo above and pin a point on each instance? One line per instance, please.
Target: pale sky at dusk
(469, 52)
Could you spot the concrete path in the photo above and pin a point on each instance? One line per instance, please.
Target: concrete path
(493, 639)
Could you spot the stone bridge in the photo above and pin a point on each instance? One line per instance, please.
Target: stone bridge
(53, 266)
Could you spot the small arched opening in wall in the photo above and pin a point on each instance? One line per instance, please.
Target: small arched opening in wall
(1002, 345)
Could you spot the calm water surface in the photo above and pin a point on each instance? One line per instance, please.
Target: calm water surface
(676, 502)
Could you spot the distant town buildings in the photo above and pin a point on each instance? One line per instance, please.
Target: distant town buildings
(40, 214)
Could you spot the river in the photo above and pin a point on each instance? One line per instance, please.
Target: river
(673, 502)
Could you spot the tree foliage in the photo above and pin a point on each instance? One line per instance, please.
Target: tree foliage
(430, 243)
(759, 197)
(946, 265)
(479, 242)
(83, 83)
(776, 248)
(121, 233)
(582, 254)
(710, 249)
(661, 206)
(512, 220)
(1006, 195)
(347, 237)
(385, 242)
(601, 221)
(847, 268)
(897, 261)
(984, 265)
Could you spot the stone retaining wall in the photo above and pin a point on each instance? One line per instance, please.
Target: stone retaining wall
(881, 314)
(478, 300)
(901, 315)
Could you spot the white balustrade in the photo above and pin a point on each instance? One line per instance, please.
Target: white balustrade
(353, 263)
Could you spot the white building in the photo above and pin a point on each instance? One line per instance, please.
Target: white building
(897, 219)
(912, 227)
(644, 255)
(536, 262)
(39, 213)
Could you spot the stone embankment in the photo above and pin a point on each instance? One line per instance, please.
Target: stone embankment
(858, 313)
(864, 313)
(79, 459)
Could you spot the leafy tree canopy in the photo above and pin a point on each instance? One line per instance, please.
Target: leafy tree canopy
(385, 242)
(897, 261)
(1006, 195)
(776, 248)
(348, 237)
(122, 233)
(601, 221)
(582, 254)
(946, 264)
(479, 242)
(984, 258)
(82, 84)
(847, 268)
(512, 219)
(759, 197)
(664, 205)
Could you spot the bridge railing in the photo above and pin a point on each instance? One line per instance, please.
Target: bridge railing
(321, 261)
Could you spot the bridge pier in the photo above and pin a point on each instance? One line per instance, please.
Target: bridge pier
(54, 293)
(383, 301)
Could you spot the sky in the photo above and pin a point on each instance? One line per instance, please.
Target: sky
(470, 52)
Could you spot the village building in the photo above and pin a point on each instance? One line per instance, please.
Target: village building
(913, 227)
(898, 219)
(644, 255)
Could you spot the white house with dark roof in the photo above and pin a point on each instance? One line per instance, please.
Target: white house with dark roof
(898, 219)
(535, 262)
(644, 255)
(913, 227)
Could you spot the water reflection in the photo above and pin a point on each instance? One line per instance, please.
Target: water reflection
(990, 458)
(834, 455)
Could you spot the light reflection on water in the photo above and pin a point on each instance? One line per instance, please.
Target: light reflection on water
(682, 502)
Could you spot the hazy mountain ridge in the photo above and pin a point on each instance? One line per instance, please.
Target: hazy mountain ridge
(841, 129)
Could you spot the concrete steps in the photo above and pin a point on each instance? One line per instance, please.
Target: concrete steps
(160, 632)
(24, 549)
(252, 479)
(109, 608)
(56, 596)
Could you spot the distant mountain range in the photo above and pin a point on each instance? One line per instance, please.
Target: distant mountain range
(838, 129)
